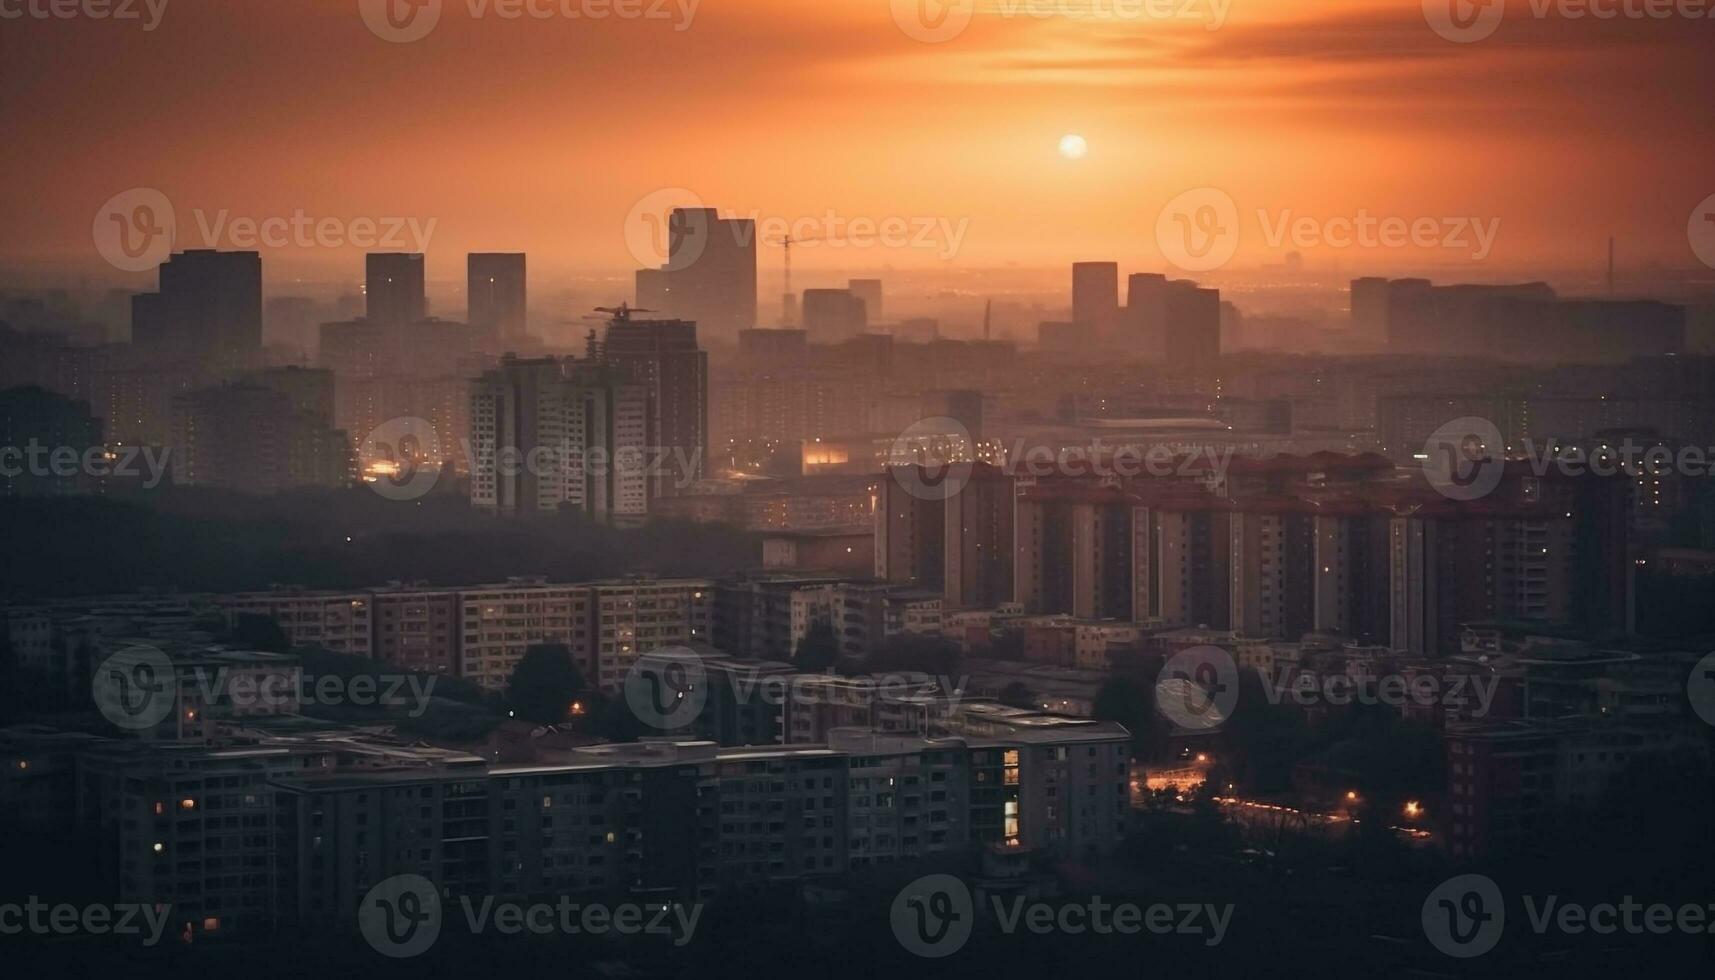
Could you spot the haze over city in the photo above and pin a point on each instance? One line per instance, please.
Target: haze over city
(684, 489)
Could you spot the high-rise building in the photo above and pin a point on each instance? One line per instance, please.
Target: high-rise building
(979, 526)
(710, 274)
(1095, 296)
(208, 307)
(662, 357)
(1143, 329)
(495, 293)
(910, 537)
(832, 315)
(546, 433)
(1370, 310)
(253, 438)
(31, 417)
(868, 290)
(1193, 326)
(393, 287)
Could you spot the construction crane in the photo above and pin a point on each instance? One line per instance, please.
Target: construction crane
(786, 295)
(621, 313)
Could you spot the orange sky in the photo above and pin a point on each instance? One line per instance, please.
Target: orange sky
(541, 134)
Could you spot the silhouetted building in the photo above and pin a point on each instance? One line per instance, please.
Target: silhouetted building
(251, 438)
(38, 429)
(1095, 296)
(1143, 330)
(208, 308)
(663, 357)
(393, 287)
(710, 274)
(1193, 326)
(868, 290)
(832, 315)
(495, 293)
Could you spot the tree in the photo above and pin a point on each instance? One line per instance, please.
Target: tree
(1130, 702)
(259, 632)
(1017, 695)
(931, 654)
(818, 650)
(544, 684)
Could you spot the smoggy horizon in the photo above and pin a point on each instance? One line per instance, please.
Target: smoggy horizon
(1022, 133)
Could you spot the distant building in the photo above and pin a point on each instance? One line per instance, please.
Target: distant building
(710, 274)
(208, 308)
(37, 429)
(495, 293)
(662, 356)
(547, 433)
(868, 290)
(1095, 296)
(832, 315)
(1520, 322)
(394, 291)
(249, 437)
(1193, 326)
